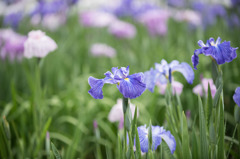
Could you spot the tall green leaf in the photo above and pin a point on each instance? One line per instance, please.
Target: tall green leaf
(220, 153)
(185, 138)
(203, 135)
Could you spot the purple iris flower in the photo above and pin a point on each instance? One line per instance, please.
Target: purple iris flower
(13, 19)
(209, 12)
(176, 3)
(235, 2)
(221, 52)
(131, 86)
(163, 72)
(236, 96)
(158, 133)
(44, 7)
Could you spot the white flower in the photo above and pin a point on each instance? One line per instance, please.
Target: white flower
(116, 113)
(38, 44)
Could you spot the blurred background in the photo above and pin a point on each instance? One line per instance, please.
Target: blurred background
(51, 97)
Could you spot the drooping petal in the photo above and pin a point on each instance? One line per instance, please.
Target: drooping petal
(236, 96)
(132, 86)
(195, 58)
(169, 139)
(96, 87)
(186, 71)
(143, 138)
(156, 139)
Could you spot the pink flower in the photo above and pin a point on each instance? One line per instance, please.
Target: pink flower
(100, 49)
(12, 44)
(96, 19)
(155, 21)
(116, 113)
(202, 88)
(177, 87)
(122, 29)
(38, 44)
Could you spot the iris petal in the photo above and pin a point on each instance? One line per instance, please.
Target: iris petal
(169, 139)
(150, 79)
(236, 96)
(96, 87)
(132, 86)
(186, 71)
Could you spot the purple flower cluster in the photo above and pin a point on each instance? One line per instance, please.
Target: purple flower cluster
(209, 12)
(221, 52)
(131, 86)
(11, 44)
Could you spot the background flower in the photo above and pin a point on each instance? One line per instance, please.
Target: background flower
(38, 44)
(202, 88)
(99, 49)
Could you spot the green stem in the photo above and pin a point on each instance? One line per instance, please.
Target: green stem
(238, 129)
(125, 106)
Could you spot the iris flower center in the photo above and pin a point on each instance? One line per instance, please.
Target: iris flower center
(126, 79)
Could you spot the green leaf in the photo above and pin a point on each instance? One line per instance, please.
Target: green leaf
(128, 119)
(220, 153)
(217, 95)
(138, 148)
(134, 123)
(212, 133)
(55, 151)
(119, 147)
(150, 154)
(237, 114)
(185, 138)
(209, 104)
(203, 135)
(131, 145)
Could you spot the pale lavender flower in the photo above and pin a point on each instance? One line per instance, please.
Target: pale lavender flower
(189, 16)
(53, 21)
(96, 19)
(177, 87)
(100, 49)
(116, 113)
(121, 29)
(155, 21)
(38, 44)
(11, 44)
(202, 89)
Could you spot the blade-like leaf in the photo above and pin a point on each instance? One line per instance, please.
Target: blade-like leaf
(55, 151)
(220, 153)
(138, 148)
(209, 105)
(185, 138)
(203, 135)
